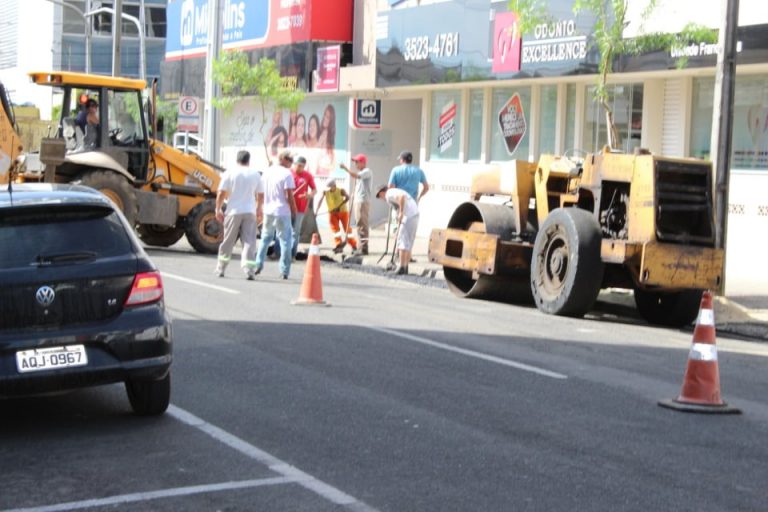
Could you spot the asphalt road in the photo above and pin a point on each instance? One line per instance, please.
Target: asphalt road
(398, 397)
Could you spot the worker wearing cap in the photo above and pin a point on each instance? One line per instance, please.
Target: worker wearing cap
(336, 198)
(407, 176)
(362, 197)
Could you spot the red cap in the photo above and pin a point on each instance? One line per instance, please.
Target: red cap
(360, 158)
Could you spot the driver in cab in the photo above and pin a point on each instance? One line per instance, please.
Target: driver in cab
(88, 121)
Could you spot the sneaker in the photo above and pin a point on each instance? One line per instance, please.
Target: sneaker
(250, 275)
(401, 271)
(284, 276)
(257, 271)
(219, 272)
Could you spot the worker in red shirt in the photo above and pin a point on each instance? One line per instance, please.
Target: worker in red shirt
(303, 194)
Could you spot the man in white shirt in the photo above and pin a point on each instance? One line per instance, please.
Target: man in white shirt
(239, 187)
(279, 211)
(407, 219)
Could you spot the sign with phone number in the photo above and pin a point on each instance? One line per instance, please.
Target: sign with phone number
(423, 47)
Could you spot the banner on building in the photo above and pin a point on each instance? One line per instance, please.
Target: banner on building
(327, 72)
(250, 24)
(512, 123)
(317, 130)
(507, 43)
(446, 126)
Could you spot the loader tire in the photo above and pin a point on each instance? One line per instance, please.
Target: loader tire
(566, 269)
(203, 231)
(670, 309)
(116, 187)
(159, 236)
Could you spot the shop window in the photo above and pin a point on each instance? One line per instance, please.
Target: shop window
(73, 22)
(475, 124)
(548, 119)
(446, 125)
(510, 117)
(750, 121)
(155, 22)
(626, 103)
(570, 120)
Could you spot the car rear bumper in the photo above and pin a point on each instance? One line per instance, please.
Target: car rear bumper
(136, 345)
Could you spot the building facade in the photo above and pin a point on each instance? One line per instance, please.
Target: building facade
(453, 83)
(42, 35)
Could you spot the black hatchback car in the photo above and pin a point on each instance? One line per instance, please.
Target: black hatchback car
(81, 304)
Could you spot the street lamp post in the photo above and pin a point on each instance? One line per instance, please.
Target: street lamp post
(87, 24)
(135, 21)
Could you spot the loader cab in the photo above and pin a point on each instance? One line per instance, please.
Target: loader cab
(102, 122)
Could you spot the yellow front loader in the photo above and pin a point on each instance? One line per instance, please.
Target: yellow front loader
(110, 146)
(10, 142)
(559, 230)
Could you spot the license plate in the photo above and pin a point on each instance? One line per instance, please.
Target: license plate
(51, 358)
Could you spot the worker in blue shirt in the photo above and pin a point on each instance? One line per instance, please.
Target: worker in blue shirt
(407, 176)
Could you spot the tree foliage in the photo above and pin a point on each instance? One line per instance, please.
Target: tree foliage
(260, 83)
(608, 38)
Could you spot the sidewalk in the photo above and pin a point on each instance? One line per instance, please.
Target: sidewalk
(741, 316)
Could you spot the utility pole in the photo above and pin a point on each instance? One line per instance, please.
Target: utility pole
(142, 42)
(88, 34)
(722, 120)
(212, 90)
(117, 35)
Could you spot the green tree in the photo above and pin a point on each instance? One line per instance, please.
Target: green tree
(260, 83)
(608, 39)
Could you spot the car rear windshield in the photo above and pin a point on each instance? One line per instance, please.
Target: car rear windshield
(60, 235)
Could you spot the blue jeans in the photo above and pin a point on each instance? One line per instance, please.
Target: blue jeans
(280, 226)
(297, 233)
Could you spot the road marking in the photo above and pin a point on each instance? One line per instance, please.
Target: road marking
(154, 495)
(306, 480)
(200, 283)
(472, 353)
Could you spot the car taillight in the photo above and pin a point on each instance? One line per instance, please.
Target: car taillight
(147, 287)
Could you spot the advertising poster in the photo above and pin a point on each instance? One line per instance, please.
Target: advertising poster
(447, 127)
(512, 123)
(328, 62)
(318, 131)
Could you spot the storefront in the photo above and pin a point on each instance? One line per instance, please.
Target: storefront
(486, 100)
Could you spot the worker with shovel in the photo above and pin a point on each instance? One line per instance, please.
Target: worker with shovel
(407, 222)
(336, 199)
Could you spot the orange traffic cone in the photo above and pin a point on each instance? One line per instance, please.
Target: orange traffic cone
(701, 384)
(312, 286)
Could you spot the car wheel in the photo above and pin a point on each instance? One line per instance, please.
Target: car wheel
(149, 397)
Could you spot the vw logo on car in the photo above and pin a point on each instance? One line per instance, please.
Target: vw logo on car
(45, 296)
